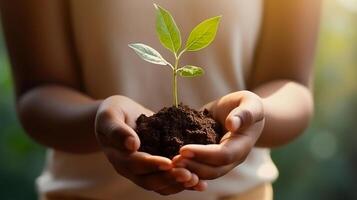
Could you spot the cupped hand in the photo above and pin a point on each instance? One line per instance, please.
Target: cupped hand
(114, 126)
(242, 115)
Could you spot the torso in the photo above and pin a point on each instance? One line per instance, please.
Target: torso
(103, 30)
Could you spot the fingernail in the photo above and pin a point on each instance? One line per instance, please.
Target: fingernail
(187, 154)
(175, 158)
(130, 143)
(236, 122)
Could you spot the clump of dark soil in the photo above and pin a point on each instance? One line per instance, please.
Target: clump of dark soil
(167, 131)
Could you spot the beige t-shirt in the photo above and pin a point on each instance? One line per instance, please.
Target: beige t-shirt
(102, 31)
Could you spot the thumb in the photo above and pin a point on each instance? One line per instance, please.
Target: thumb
(126, 137)
(111, 130)
(248, 112)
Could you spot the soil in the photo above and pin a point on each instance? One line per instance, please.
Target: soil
(165, 132)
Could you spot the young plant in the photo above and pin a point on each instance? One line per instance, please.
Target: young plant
(170, 37)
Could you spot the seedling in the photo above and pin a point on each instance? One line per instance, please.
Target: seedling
(170, 37)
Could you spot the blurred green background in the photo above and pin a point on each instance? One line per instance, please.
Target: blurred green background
(319, 165)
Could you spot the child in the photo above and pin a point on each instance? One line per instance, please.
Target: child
(80, 89)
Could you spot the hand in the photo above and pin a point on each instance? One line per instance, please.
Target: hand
(242, 115)
(115, 123)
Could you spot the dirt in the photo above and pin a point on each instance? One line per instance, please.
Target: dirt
(165, 132)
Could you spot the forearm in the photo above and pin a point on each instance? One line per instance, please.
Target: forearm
(288, 108)
(60, 118)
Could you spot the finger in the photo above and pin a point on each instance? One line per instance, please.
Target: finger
(248, 101)
(156, 181)
(248, 112)
(137, 163)
(132, 111)
(181, 174)
(193, 182)
(201, 186)
(172, 189)
(233, 148)
(112, 131)
(203, 171)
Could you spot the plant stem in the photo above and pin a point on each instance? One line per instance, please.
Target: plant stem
(175, 92)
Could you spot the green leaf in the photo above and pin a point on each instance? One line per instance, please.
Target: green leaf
(203, 34)
(167, 30)
(148, 54)
(190, 71)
